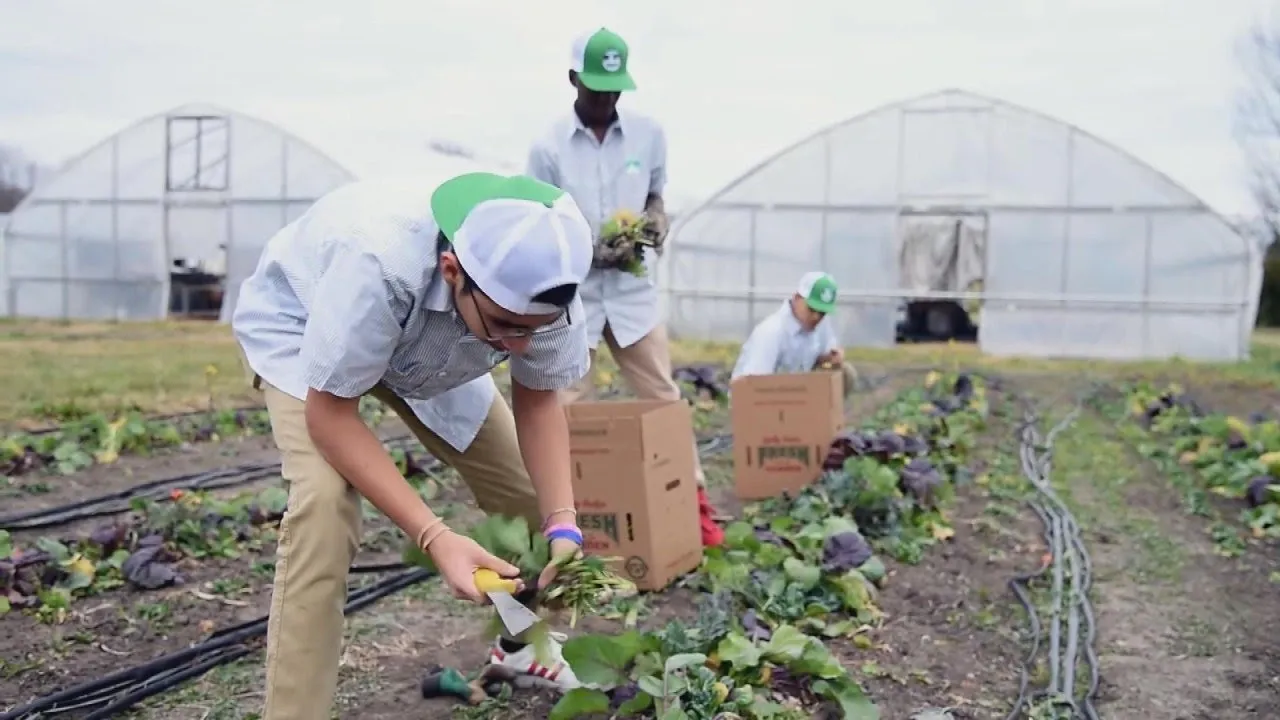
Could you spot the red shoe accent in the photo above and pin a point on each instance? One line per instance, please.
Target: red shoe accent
(712, 533)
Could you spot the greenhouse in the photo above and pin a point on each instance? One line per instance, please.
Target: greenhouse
(1041, 238)
(164, 218)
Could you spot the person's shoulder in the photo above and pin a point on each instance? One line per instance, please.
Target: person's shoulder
(554, 133)
(636, 121)
(770, 326)
(378, 215)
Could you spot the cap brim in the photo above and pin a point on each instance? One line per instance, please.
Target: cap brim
(613, 82)
(820, 306)
(455, 197)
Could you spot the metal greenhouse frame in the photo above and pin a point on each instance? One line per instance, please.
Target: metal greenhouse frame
(1081, 250)
(107, 235)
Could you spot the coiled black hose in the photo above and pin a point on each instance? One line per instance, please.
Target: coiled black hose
(1066, 548)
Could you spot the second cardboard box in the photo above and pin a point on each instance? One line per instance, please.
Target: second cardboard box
(783, 426)
(634, 485)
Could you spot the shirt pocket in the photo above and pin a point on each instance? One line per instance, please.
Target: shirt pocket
(631, 181)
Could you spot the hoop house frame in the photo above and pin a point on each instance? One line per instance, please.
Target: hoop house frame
(1086, 251)
(99, 238)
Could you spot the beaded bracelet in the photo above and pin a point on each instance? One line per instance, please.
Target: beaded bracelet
(553, 513)
(422, 534)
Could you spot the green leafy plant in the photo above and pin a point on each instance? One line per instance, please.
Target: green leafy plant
(1208, 455)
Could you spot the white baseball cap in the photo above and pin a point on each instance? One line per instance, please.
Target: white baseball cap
(516, 237)
(819, 291)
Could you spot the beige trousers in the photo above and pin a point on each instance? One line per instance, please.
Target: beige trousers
(320, 535)
(646, 368)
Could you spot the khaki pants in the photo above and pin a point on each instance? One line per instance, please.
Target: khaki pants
(320, 535)
(646, 368)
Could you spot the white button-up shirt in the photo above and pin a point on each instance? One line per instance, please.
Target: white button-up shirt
(604, 177)
(779, 344)
(349, 295)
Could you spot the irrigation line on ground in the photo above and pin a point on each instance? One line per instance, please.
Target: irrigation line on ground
(117, 502)
(167, 417)
(1072, 580)
(123, 689)
(126, 688)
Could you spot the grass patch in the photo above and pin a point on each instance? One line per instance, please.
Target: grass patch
(1093, 473)
(52, 370)
(56, 371)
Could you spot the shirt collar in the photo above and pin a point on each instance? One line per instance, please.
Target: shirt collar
(789, 321)
(576, 125)
(439, 296)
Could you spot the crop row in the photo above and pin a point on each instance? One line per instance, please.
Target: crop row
(100, 439)
(795, 574)
(143, 549)
(1208, 454)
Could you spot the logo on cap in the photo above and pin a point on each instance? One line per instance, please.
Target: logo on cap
(828, 295)
(611, 61)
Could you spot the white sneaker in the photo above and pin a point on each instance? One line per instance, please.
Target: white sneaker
(553, 672)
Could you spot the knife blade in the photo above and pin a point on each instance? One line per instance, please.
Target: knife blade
(516, 618)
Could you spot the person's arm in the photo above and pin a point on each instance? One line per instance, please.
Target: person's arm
(554, 361)
(543, 433)
(759, 354)
(653, 203)
(830, 343)
(351, 331)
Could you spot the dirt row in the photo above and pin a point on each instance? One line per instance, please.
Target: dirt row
(1183, 634)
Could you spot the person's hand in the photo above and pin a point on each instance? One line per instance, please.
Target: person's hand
(837, 355)
(561, 548)
(658, 225)
(457, 557)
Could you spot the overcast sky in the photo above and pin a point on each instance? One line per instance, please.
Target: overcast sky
(733, 80)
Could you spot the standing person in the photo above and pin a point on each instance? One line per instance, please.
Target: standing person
(611, 160)
(413, 297)
(798, 336)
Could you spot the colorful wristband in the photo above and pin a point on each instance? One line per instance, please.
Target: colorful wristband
(565, 533)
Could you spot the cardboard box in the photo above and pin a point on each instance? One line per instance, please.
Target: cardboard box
(635, 488)
(783, 426)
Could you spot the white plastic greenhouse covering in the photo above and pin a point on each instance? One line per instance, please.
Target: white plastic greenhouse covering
(97, 239)
(1081, 250)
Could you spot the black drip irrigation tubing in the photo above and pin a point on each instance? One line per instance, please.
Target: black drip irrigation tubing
(126, 688)
(1067, 554)
(168, 417)
(117, 502)
(122, 690)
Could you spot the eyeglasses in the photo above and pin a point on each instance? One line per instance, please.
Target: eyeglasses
(519, 333)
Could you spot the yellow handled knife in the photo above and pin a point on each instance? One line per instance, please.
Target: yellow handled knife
(516, 618)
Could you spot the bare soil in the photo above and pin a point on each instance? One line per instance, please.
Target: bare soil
(1183, 633)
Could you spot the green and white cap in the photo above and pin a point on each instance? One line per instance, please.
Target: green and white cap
(819, 291)
(600, 59)
(515, 236)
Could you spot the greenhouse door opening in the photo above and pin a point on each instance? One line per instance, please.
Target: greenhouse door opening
(197, 176)
(940, 252)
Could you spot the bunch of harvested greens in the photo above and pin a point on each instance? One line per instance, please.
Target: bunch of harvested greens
(623, 239)
(581, 586)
